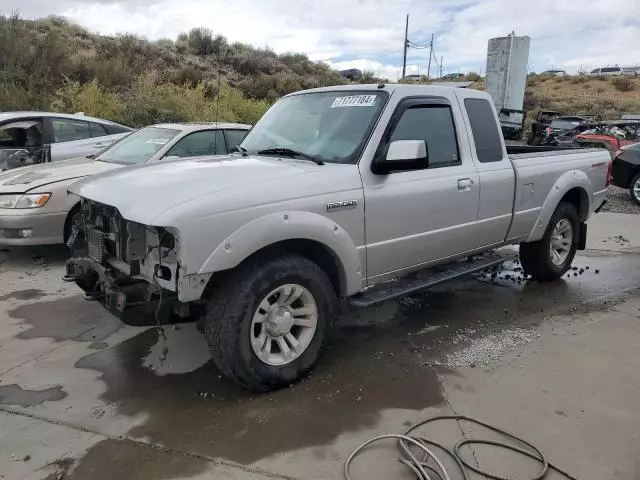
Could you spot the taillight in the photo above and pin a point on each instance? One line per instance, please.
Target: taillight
(609, 168)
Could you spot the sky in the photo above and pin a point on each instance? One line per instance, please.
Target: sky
(368, 34)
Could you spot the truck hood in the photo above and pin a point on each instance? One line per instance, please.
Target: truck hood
(21, 180)
(145, 192)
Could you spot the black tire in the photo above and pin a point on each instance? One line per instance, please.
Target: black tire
(72, 217)
(634, 197)
(79, 248)
(535, 256)
(229, 311)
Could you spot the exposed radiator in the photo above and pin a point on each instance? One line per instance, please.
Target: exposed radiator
(95, 240)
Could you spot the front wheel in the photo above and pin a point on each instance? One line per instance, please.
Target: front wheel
(267, 325)
(634, 189)
(549, 258)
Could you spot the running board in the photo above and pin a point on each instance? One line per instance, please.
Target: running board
(405, 286)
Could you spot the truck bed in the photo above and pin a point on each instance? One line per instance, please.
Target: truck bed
(539, 169)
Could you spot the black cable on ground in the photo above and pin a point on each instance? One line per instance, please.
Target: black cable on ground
(430, 466)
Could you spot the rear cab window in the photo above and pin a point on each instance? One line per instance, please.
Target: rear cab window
(484, 128)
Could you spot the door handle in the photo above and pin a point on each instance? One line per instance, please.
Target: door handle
(464, 184)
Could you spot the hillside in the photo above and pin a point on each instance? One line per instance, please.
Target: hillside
(54, 64)
(609, 97)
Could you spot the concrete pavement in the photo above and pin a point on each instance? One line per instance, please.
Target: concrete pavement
(83, 396)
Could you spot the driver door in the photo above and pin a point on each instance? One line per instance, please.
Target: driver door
(420, 216)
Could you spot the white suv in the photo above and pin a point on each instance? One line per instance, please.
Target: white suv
(606, 71)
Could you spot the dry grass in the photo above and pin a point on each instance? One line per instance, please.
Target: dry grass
(608, 97)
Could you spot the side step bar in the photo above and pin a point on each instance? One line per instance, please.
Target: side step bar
(424, 280)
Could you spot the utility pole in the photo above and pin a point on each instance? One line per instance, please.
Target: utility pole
(406, 45)
(430, 55)
(440, 67)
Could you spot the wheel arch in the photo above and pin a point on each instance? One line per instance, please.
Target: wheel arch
(311, 235)
(67, 221)
(572, 187)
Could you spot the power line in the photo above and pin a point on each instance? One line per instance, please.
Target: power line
(417, 46)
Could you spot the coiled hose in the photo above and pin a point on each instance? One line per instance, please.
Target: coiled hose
(430, 467)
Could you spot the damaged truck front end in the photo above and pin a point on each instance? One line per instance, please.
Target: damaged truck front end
(132, 269)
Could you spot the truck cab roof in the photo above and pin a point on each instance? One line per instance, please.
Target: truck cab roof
(404, 90)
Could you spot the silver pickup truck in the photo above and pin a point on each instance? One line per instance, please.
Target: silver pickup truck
(367, 192)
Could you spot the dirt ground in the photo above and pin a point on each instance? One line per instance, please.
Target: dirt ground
(84, 397)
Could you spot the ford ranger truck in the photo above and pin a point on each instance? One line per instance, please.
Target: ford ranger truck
(349, 191)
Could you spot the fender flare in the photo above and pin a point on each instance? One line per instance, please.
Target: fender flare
(291, 225)
(568, 181)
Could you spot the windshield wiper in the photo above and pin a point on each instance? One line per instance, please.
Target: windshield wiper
(288, 152)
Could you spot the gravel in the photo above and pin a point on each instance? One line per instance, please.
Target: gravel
(486, 350)
(619, 201)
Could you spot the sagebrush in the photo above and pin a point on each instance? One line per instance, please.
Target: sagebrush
(54, 64)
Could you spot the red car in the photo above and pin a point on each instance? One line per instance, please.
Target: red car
(612, 135)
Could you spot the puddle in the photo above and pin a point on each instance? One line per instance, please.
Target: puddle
(15, 395)
(98, 345)
(28, 294)
(71, 318)
(202, 412)
(120, 459)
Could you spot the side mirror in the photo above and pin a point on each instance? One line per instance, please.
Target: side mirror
(402, 150)
(403, 155)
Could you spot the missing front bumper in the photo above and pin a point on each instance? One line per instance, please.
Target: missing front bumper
(136, 302)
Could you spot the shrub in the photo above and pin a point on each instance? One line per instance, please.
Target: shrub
(32, 61)
(579, 79)
(182, 43)
(600, 89)
(91, 98)
(188, 75)
(14, 96)
(473, 77)
(200, 41)
(622, 84)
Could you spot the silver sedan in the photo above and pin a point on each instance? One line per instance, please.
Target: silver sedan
(35, 208)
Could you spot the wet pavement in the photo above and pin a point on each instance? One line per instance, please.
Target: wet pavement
(107, 404)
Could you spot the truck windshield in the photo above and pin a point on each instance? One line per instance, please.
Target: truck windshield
(329, 126)
(138, 147)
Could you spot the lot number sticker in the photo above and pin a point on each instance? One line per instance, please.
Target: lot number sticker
(354, 101)
(158, 141)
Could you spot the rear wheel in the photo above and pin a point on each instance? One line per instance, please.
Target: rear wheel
(634, 189)
(549, 258)
(267, 325)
